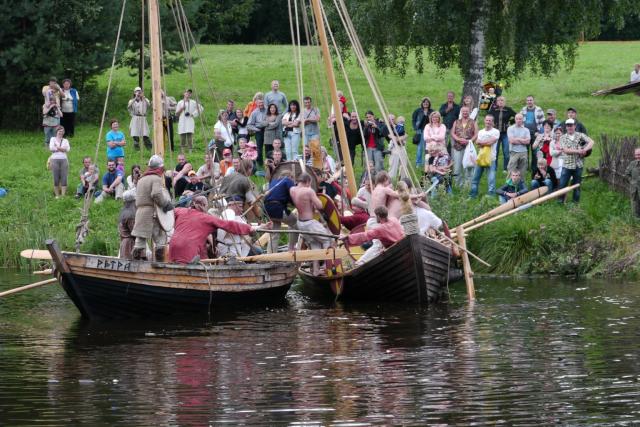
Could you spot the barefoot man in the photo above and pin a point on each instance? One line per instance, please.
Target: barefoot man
(306, 201)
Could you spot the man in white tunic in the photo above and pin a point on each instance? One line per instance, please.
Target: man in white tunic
(186, 111)
(230, 244)
(138, 107)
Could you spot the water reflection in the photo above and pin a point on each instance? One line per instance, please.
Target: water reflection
(526, 353)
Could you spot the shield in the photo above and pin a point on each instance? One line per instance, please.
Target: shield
(167, 220)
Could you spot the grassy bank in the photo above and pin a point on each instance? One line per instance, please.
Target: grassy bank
(598, 236)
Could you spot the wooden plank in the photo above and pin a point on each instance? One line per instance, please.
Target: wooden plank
(57, 256)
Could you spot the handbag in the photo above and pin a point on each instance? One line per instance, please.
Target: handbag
(417, 138)
(470, 156)
(484, 157)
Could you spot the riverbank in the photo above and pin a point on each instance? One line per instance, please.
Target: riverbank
(596, 237)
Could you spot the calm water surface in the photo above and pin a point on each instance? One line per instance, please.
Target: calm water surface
(527, 353)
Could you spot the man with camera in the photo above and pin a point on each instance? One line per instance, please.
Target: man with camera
(186, 111)
(375, 133)
(138, 107)
(50, 119)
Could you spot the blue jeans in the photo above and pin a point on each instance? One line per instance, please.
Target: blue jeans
(503, 142)
(567, 174)
(376, 157)
(291, 142)
(477, 174)
(536, 184)
(420, 153)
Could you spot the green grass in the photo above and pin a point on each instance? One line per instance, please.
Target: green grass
(29, 214)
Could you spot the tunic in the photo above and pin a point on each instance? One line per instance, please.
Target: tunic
(187, 124)
(149, 193)
(388, 233)
(191, 231)
(230, 244)
(138, 110)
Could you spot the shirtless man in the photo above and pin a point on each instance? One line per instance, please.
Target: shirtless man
(306, 201)
(383, 195)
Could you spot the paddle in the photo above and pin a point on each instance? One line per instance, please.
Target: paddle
(35, 254)
(26, 287)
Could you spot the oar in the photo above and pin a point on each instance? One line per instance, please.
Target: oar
(291, 256)
(523, 207)
(511, 204)
(24, 288)
(35, 254)
(464, 249)
(308, 233)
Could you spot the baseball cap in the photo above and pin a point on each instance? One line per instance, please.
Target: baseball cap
(137, 89)
(570, 122)
(572, 109)
(551, 111)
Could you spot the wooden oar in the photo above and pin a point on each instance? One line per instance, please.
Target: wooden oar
(308, 233)
(523, 207)
(43, 272)
(511, 204)
(35, 254)
(292, 256)
(24, 288)
(464, 249)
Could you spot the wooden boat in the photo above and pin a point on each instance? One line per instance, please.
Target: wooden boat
(632, 87)
(414, 270)
(105, 287)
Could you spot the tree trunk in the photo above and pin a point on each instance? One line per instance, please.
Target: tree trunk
(474, 74)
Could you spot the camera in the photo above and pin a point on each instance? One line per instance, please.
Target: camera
(52, 112)
(187, 114)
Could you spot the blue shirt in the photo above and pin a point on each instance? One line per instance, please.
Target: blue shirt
(280, 190)
(113, 153)
(109, 177)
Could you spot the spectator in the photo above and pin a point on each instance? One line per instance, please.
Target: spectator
(186, 110)
(69, 107)
(239, 126)
(52, 92)
(276, 97)
(210, 171)
(635, 74)
(419, 119)
(132, 180)
(556, 152)
(291, 123)
(633, 173)
(216, 145)
(59, 147)
(487, 137)
(533, 119)
(573, 114)
(503, 116)
(276, 147)
(552, 118)
(256, 124)
(273, 129)
(115, 142)
(231, 110)
(575, 147)
(434, 132)
(449, 111)
(310, 120)
(438, 167)
(112, 185)
(463, 132)
(542, 144)
(467, 101)
(251, 106)
(544, 175)
(50, 120)
(519, 138)
(227, 161)
(513, 188)
(138, 107)
(169, 105)
(399, 161)
(374, 133)
(89, 177)
(224, 126)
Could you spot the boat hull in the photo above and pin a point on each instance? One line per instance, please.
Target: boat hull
(111, 288)
(414, 270)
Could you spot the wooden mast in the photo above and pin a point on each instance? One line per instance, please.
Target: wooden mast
(342, 134)
(156, 85)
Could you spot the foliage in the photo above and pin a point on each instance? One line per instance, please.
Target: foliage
(225, 20)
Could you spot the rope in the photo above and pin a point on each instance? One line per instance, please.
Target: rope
(209, 306)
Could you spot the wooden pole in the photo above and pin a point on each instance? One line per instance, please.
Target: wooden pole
(141, 53)
(342, 134)
(26, 287)
(156, 84)
(466, 265)
(292, 256)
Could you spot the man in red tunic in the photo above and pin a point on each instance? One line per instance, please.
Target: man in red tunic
(192, 228)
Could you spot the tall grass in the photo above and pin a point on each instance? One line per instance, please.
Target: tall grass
(523, 243)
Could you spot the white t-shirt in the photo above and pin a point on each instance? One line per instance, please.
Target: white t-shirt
(485, 135)
(427, 220)
(635, 76)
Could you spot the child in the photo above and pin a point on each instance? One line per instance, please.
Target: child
(438, 167)
(514, 187)
(90, 180)
(120, 164)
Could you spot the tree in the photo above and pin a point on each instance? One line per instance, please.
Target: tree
(498, 38)
(72, 39)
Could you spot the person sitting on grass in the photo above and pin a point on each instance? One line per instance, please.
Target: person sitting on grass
(544, 175)
(438, 167)
(86, 173)
(513, 188)
(112, 185)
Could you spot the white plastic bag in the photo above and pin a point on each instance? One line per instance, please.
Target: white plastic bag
(470, 156)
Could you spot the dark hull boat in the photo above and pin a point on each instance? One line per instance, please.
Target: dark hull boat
(415, 270)
(112, 288)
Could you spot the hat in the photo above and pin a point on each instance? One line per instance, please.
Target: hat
(156, 161)
(572, 109)
(570, 122)
(129, 195)
(226, 151)
(191, 173)
(137, 89)
(551, 111)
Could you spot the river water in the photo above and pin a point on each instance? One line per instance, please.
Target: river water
(526, 353)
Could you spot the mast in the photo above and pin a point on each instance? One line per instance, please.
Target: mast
(342, 134)
(156, 86)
